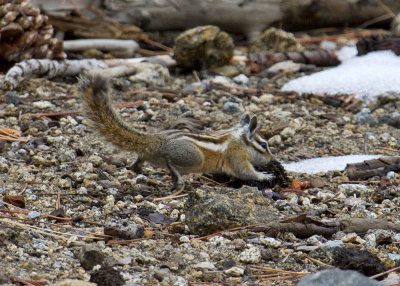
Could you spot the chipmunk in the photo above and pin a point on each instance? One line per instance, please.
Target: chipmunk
(233, 152)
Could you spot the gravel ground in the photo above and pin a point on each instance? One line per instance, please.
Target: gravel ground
(101, 194)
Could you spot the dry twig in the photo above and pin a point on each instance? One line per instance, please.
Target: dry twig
(10, 134)
(350, 35)
(386, 272)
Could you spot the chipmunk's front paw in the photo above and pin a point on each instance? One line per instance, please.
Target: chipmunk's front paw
(267, 176)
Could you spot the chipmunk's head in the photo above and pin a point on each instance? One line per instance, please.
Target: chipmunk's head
(257, 146)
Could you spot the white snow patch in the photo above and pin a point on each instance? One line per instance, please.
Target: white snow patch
(325, 164)
(366, 76)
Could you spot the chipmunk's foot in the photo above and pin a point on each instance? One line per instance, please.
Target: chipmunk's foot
(178, 187)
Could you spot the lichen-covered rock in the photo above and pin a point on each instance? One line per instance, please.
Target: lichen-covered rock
(216, 210)
(275, 40)
(203, 47)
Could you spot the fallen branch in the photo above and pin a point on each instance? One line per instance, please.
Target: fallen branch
(58, 225)
(362, 225)
(231, 229)
(41, 231)
(271, 274)
(127, 46)
(26, 212)
(55, 114)
(106, 28)
(48, 68)
(388, 10)
(384, 273)
(52, 68)
(27, 282)
(350, 35)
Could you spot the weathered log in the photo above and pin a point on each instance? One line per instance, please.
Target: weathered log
(238, 16)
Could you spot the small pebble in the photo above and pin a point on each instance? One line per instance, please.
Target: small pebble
(232, 107)
(241, 79)
(43, 104)
(234, 272)
(33, 214)
(205, 265)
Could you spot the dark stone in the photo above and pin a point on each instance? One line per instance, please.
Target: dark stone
(90, 256)
(210, 211)
(355, 259)
(337, 277)
(107, 276)
(270, 254)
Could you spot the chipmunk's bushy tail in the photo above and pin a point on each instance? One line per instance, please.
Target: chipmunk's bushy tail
(98, 108)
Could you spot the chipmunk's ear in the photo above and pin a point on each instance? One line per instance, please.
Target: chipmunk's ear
(252, 127)
(244, 120)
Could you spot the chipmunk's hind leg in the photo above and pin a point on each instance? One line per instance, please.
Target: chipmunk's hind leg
(176, 176)
(137, 167)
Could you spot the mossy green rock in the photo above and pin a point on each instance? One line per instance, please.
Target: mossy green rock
(203, 47)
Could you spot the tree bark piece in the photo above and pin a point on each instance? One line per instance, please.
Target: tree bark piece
(370, 168)
(303, 226)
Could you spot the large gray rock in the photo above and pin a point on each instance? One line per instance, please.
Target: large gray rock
(211, 211)
(337, 277)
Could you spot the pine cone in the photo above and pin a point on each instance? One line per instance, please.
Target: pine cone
(25, 33)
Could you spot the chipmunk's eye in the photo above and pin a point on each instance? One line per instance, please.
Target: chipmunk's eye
(263, 144)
